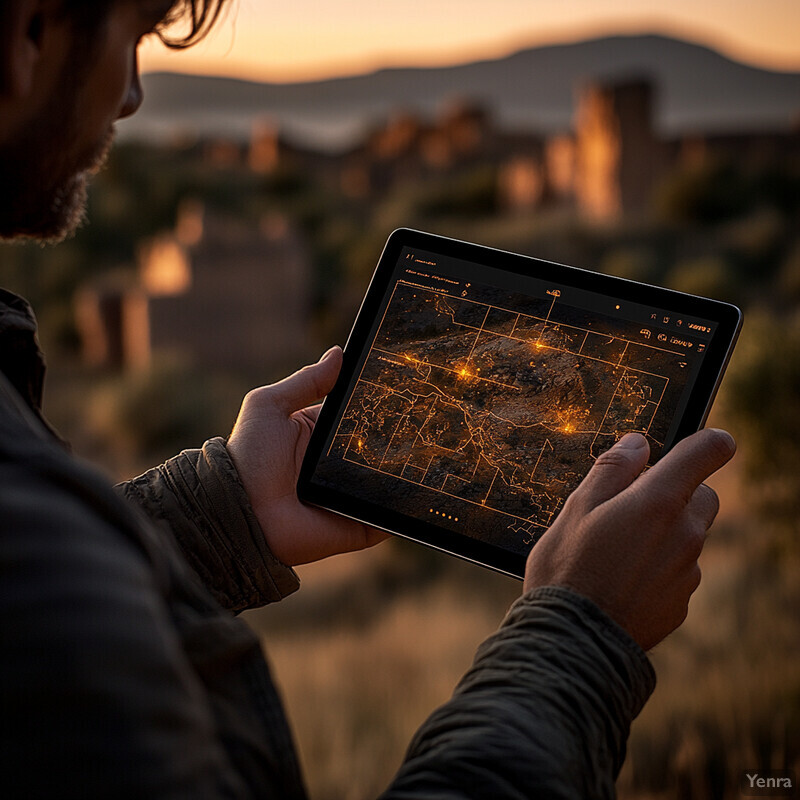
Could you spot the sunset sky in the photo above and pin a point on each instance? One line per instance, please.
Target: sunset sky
(307, 39)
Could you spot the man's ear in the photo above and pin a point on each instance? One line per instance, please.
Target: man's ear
(21, 36)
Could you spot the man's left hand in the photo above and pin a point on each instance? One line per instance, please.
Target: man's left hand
(267, 446)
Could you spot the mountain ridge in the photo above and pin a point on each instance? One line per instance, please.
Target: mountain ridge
(698, 89)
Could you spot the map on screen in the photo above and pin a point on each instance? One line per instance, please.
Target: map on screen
(481, 408)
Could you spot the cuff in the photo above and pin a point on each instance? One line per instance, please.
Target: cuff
(604, 639)
(199, 495)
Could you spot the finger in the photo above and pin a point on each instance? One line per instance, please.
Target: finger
(704, 505)
(612, 472)
(323, 534)
(308, 385)
(690, 462)
(375, 536)
(312, 412)
(695, 577)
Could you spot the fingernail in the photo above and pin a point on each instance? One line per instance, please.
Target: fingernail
(329, 352)
(631, 441)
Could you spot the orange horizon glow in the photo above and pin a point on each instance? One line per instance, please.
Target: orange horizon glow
(286, 54)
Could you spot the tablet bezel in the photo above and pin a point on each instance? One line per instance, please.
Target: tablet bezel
(726, 316)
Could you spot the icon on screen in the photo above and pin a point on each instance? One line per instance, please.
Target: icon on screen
(645, 333)
(662, 337)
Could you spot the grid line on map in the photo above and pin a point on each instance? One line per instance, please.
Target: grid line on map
(481, 457)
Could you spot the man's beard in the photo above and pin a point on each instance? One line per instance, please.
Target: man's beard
(45, 168)
(43, 184)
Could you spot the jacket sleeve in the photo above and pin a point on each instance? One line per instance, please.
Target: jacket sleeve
(200, 498)
(544, 711)
(98, 697)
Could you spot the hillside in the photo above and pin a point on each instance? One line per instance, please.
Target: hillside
(699, 90)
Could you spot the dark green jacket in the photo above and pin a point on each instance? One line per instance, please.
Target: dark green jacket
(125, 674)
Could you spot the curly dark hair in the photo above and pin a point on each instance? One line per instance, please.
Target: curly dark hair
(195, 18)
(199, 15)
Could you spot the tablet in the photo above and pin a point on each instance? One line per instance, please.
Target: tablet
(479, 386)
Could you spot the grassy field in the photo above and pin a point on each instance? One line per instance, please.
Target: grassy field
(367, 649)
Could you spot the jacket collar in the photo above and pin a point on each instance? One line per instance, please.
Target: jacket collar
(21, 358)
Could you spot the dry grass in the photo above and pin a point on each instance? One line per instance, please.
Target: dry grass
(356, 691)
(728, 697)
(356, 697)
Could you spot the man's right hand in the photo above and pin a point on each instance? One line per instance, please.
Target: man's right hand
(630, 541)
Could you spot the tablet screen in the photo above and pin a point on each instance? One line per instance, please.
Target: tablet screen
(481, 396)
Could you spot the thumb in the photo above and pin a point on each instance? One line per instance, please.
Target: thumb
(308, 385)
(612, 472)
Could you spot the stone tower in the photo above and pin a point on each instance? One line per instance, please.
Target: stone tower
(619, 159)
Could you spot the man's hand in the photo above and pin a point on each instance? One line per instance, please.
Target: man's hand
(630, 541)
(267, 447)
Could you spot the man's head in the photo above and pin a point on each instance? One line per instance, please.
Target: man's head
(68, 71)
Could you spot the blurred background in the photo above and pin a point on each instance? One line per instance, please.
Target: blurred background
(236, 226)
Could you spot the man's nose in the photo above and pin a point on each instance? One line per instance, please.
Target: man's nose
(135, 94)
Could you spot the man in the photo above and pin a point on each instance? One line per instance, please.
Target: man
(120, 674)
